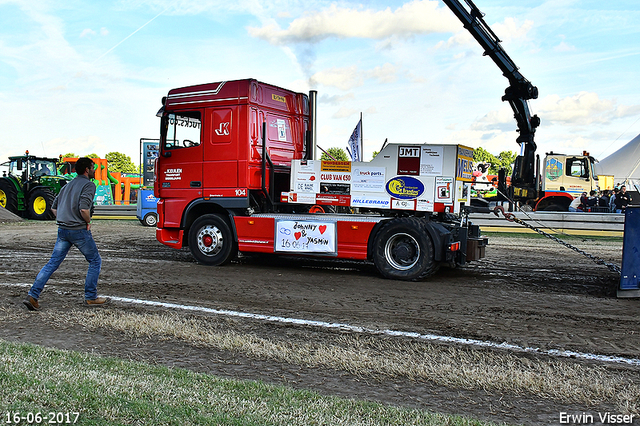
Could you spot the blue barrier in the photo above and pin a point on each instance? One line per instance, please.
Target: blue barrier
(629, 278)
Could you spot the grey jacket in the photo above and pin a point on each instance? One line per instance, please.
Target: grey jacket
(74, 196)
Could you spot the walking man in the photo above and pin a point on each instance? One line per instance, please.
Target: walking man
(72, 208)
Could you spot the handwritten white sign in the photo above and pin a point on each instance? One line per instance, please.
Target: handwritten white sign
(304, 236)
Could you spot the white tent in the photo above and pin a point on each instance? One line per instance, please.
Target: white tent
(623, 165)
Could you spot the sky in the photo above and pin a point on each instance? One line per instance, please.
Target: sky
(88, 76)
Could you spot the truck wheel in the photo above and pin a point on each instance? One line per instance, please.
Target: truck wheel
(8, 196)
(403, 250)
(40, 202)
(211, 241)
(150, 219)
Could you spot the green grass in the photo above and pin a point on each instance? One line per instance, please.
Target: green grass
(108, 391)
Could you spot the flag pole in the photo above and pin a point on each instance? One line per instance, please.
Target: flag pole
(361, 139)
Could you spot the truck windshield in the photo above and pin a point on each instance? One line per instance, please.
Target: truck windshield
(182, 130)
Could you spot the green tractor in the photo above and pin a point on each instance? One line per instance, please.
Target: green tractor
(30, 186)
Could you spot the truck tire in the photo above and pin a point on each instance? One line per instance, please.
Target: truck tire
(8, 196)
(403, 250)
(150, 219)
(211, 241)
(40, 202)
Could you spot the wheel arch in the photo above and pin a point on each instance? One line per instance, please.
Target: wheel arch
(560, 199)
(200, 208)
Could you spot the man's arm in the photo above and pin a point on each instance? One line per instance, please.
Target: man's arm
(86, 201)
(86, 215)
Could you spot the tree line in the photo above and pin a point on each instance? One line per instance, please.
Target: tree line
(116, 161)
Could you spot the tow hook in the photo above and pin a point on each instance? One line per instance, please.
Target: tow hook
(509, 216)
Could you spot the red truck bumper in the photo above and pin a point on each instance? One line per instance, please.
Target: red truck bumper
(171, 237)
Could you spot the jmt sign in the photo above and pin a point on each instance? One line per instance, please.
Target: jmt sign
(405, 151)
(408, 160)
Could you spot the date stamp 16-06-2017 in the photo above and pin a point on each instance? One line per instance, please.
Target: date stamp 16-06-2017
(36, 418)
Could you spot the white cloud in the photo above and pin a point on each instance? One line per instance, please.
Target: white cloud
(87, 32)
(336, 99)
(501, 119)
(387, 73)
(511, 30)
(344, 112)
(582, 109)
(349, 77)
(564, 47)
(416, 17)
(342, 78)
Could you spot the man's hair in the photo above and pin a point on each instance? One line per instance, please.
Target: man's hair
(83, 164)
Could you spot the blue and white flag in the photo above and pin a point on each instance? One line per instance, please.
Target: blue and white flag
(355, 142)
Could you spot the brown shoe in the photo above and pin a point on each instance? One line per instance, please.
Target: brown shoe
(98, 301)
(31, 304)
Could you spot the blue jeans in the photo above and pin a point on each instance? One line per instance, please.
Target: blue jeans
(82, 239)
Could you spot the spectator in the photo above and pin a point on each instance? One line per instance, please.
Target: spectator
(583, 201)
(622, 200)
(612, 200)
(576, 205)
(591, 201)
(604, 199)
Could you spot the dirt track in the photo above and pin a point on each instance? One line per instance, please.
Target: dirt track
(527, 292)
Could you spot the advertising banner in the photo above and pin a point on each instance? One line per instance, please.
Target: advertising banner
(368, 179)
(431, 160)
(464, 167)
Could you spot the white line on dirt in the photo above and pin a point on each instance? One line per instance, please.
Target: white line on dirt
(395, 333)
(364, 330)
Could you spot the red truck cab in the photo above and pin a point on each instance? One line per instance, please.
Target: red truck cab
(211, 144)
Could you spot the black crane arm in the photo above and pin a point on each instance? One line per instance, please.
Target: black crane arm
(520, 90)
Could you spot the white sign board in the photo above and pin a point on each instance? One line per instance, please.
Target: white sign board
(305, 236)
(307, 179)
(378, 202)
(368, 179)
(431, 160)
(444, 190)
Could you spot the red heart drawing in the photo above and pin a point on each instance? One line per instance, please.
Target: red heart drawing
(297, 235)
(322, 228)
(312, 178)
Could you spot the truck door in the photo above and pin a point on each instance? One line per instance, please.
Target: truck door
(578, 176)
(220, 168)
(181, 150)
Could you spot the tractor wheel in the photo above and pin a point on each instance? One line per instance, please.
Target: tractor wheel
(150, 219)
(211, 241)
(403, 250)
(555, 208)
(40, 202)
(8, 196)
